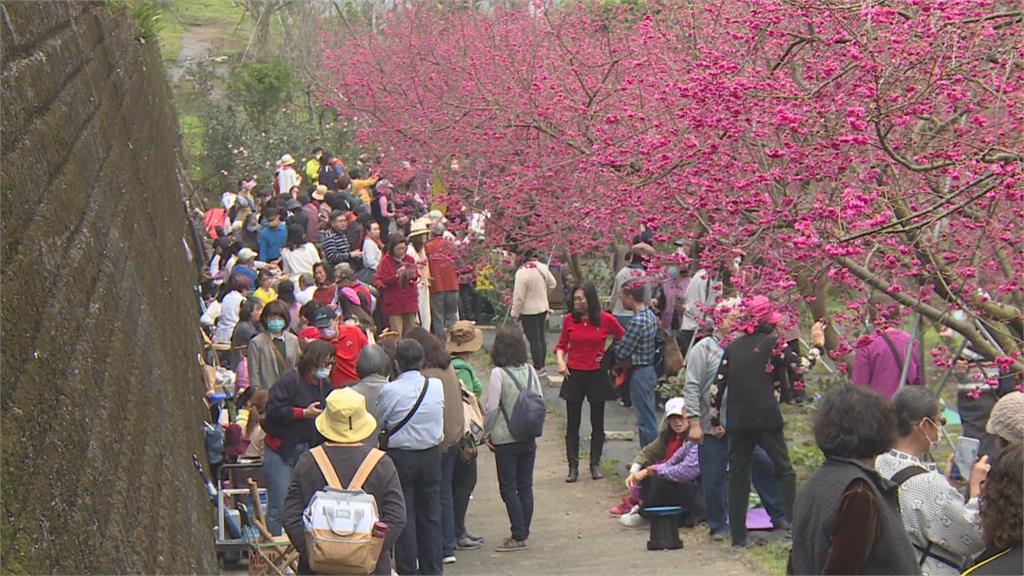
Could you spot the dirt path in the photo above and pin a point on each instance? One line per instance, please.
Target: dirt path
(572, 532)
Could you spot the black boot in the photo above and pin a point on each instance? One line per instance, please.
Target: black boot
(596, 448)
(572, 454)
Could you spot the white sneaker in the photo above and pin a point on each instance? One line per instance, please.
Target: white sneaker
(632, 519)
(449, 559)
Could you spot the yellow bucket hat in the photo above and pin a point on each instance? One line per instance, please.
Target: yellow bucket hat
(346, 420)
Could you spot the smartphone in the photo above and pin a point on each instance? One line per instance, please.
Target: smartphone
(966, 455)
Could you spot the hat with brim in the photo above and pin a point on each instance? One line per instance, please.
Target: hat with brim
(419, 228)
(286, 160)
(322, 317)
(761, 311)
(320, 192)
(675, 407)
(644, 249)
(345, 419)
(246, 255)
(465, 337)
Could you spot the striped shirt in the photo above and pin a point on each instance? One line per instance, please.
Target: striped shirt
(639, 341)
(336, 248)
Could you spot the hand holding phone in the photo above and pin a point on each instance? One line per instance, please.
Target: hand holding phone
(967, 454)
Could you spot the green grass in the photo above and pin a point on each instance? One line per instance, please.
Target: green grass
(192, 131)
(770, 558)
(220, 16)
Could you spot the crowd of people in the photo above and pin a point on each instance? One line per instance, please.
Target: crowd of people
(336, 311)
(338, 307)
(876, 506)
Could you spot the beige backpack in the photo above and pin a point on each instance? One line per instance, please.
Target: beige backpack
(339, 521)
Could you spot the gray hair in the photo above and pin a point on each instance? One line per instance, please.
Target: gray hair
(373, 360)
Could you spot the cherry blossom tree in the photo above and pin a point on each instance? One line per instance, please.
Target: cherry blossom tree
(845, 147)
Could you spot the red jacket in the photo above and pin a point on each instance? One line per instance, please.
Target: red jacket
(347, 346)
(397, 297)
(443, 275)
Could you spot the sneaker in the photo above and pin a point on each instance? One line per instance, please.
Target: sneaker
(719, 535)
(633, 519)
(449, 559)
(467, 543)
(511, 545)
(623, 507)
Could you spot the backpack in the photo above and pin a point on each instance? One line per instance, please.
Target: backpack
(898, 479)
(473, 416)
(339, 522)
(527, 419)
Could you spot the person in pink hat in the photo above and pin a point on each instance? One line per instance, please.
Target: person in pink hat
(754, 372)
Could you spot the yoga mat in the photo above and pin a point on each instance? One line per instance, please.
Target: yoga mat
(758, 519)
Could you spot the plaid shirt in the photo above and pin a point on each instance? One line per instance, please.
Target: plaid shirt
(638, 342)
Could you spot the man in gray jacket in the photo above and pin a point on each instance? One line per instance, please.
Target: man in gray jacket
(701, 366)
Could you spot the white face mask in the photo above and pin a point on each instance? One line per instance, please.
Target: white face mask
(938, 437)
(323, 373)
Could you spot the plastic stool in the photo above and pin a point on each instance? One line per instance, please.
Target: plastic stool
(664, 527)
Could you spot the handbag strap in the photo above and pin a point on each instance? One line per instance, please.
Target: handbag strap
(892, 348)
(369, 463)
(320, 456)
(412, 412)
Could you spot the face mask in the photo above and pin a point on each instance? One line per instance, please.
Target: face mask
(329, 332)
(673, 271)
(276, 325)
(252, 228)
(938, 437)
(323, 373)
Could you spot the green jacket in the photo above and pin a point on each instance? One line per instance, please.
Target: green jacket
(655, 451)
(468, 377)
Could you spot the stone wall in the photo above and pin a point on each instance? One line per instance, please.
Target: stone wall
(100, 389)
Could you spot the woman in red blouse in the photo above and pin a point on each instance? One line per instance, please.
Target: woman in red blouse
(585, 333)
(396, 279)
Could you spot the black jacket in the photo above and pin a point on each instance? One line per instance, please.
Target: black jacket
(291, 392)
(753, 374)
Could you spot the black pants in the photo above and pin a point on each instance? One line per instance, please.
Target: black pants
(656, 491)
(420, 543)
(533, 327)
(469, 302)
(463, 484)
(515, 482)
(741, 457)
(574, 416)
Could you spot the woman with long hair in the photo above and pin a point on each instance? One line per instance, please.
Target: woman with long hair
(299, 254)
(585, 333)
(396, 279)
(1002, 502)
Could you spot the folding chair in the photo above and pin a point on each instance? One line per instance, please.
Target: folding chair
(270, 554)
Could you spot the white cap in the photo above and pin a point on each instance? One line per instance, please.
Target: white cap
(246, 255)
(675, 407)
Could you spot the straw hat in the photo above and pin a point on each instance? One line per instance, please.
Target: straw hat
(286, 160)
(419, 227)
(345, 420)
(320, 192)
(465, 337)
